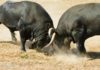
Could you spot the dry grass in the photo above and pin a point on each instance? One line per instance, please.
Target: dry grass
(10, 57)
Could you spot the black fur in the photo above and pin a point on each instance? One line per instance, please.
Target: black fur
(29, 18)
(77, 24)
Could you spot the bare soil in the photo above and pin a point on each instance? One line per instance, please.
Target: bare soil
(10, 56)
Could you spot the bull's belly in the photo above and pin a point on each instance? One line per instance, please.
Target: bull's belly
(92, 32)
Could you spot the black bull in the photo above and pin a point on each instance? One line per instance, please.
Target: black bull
(77, 24)
(30, 19)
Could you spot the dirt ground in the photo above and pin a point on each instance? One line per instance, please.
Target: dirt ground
(10, 58)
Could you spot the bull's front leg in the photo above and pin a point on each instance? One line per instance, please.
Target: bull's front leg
(80, 46)
(79, 37)
(23, 36)
(22, 33)
(23, 40)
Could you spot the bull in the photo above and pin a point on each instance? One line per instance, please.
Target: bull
(77, 24)
(30, 19)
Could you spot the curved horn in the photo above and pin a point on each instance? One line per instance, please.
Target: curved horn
(49, 32)
(52, 39)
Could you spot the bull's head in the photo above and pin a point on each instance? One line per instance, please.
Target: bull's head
(40, 41)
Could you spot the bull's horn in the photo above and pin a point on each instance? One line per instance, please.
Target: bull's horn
(49, 32)
(52, 39)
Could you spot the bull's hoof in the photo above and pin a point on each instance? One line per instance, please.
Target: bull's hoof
(78, 53)
(81, 53)
(48, 50)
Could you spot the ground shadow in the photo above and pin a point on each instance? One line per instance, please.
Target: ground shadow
(93, 55)
(15, 43)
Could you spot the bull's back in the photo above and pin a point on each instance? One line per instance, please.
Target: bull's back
(26, 9)
(89, 12)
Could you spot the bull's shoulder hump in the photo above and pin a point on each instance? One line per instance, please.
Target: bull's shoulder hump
(84, 6)
(82, 9)
(21, 2)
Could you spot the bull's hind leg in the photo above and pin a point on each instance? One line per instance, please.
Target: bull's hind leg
(13, 36)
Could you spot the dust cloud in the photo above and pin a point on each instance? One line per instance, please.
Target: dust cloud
(70, 58)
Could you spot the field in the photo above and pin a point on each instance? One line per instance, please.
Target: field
(10, 57)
